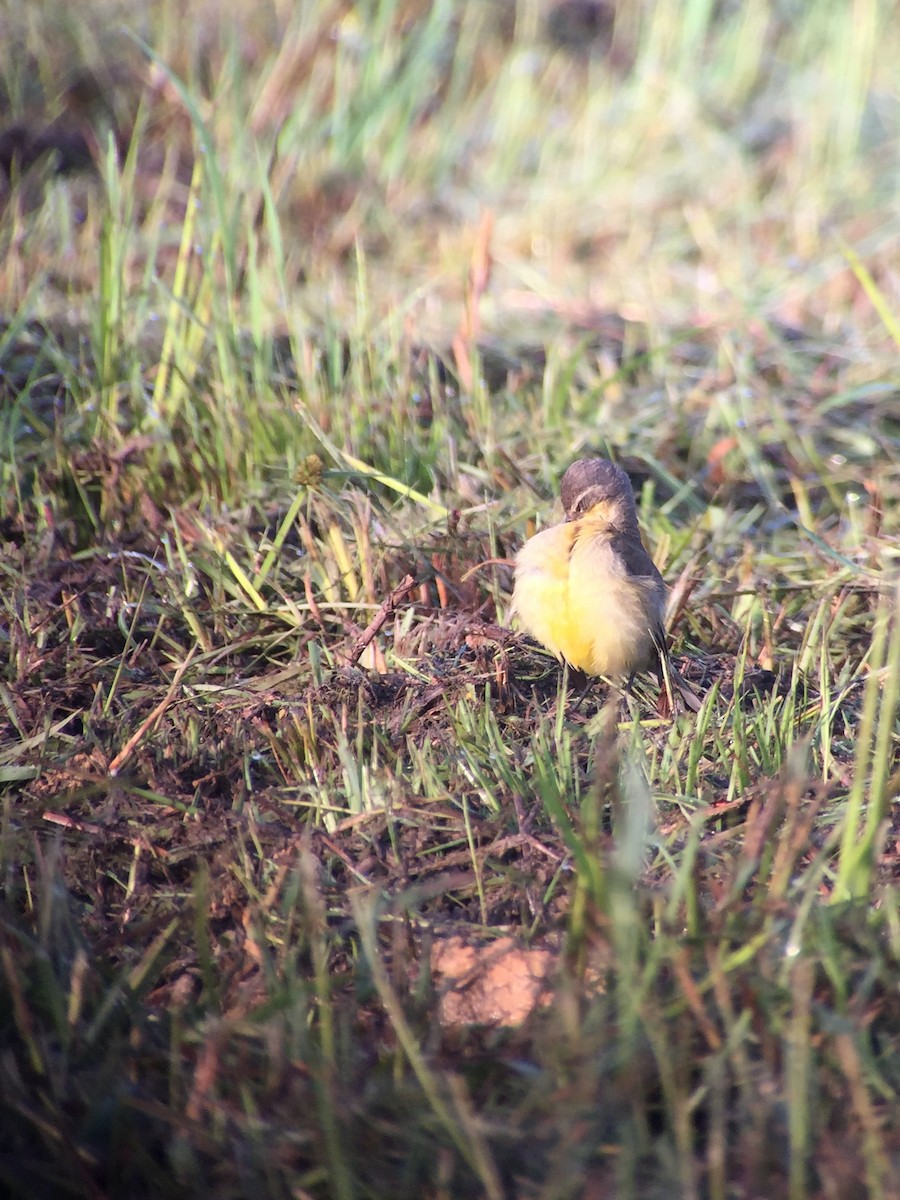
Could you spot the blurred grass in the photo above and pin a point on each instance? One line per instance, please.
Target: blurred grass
(300, 301)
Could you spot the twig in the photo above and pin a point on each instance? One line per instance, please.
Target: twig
(154, 716)
(67, 822)
(405, 586)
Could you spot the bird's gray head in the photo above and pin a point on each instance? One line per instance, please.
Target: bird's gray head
(592, 481)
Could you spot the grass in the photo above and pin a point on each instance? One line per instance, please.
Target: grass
(288, 373)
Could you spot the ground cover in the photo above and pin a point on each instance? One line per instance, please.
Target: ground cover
(317, 878)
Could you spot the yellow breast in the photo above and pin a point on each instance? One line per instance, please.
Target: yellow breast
(575, 595)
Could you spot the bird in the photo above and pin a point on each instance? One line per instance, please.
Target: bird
(587, 589)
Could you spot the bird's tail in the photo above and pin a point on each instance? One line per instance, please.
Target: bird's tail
(671, 677)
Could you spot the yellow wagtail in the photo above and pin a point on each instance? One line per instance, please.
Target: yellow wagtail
(588, 590)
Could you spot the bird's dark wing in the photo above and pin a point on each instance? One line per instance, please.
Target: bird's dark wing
(636, 560)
